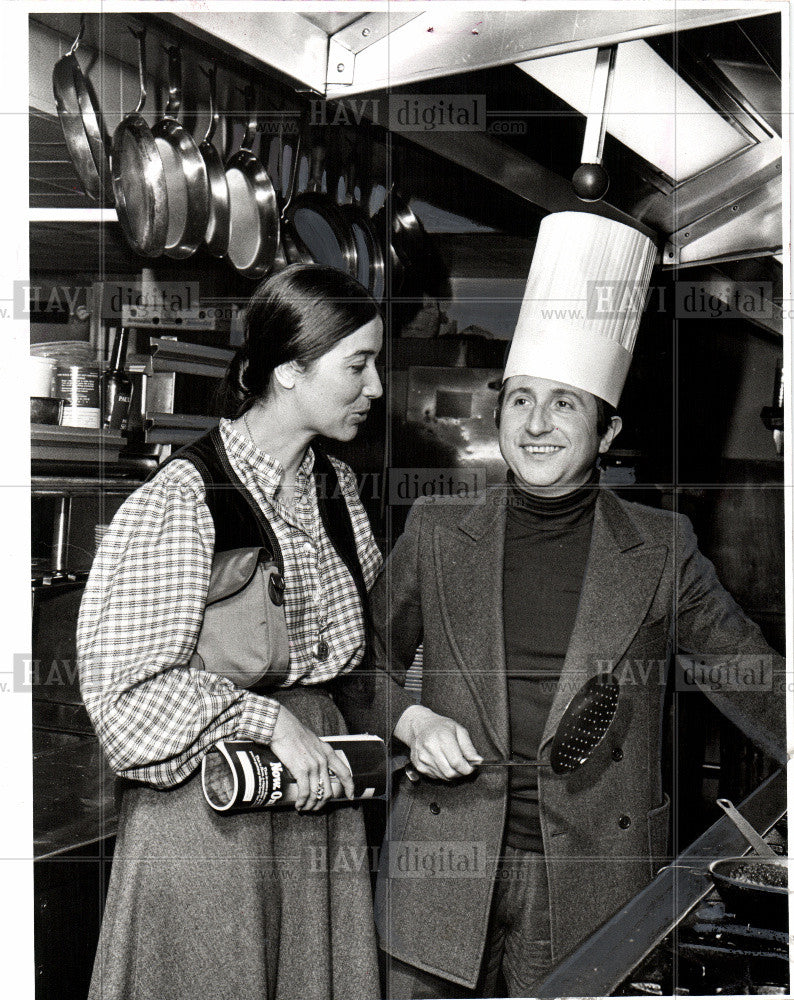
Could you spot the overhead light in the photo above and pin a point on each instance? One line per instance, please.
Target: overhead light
(652, 110)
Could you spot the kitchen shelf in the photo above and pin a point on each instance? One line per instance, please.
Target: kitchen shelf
(74, 444)
(72, 215)
(189, 359)
(175, 428)
(54, 581)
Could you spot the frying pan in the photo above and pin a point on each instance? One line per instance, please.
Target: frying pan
(582, 727)
(185, 171)
(139, 187)
(754, 888)
(415, 265)
(369, 252)
(216, 236)
(319, 223)
(81, 121)
(291, 249)
(758, 902)
(253, 205)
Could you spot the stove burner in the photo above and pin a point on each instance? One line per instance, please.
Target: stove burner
(713, 954)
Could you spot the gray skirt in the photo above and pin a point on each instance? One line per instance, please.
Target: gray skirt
(262, 905)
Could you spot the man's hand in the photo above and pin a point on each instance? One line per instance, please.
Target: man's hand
(440, 748)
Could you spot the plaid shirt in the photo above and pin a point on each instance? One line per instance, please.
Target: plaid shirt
(144, 603)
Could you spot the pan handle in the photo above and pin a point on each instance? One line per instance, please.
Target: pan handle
(251, 121)
(76, 43)
(211, 75)
(317, 159)
(140, 36)
(749, 832)
(174, 81)
(294, 168)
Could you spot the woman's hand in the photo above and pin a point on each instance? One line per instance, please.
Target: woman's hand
(310, 762)
(440, 747)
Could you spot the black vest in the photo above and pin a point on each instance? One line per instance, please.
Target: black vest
(240, 523)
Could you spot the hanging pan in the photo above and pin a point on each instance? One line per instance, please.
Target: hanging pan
(81, 121)
(139, 186)
(369, 251)
(185, 173)
(318, 222)
(253, 205)
(216, 236)
(291, 248)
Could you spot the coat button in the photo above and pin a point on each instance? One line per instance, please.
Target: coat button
(435, 808)
(624, 822)
(617, 753)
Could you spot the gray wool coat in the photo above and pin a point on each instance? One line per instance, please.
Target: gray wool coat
(647, 592)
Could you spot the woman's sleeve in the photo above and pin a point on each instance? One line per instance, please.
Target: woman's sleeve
(140, 617)
(368, 552)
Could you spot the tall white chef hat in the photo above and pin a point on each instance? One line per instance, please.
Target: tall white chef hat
(583, 303)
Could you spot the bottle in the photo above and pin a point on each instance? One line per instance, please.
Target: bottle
(116, 386)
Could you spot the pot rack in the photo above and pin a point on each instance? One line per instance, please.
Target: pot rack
(727, 211)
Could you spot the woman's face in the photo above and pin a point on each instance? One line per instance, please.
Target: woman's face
(335, 392)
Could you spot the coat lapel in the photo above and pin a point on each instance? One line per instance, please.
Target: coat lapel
(622, 575)
(469, 560)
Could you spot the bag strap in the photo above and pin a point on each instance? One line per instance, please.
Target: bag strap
(239, 522)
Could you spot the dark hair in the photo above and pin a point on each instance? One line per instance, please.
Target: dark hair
(296, 315)
(604, 412)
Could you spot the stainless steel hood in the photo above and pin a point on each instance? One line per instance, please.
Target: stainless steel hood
(717, 208)
(729, 208)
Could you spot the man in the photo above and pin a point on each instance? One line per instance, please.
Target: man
(492, 874)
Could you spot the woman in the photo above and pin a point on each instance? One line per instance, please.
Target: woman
(240, 906)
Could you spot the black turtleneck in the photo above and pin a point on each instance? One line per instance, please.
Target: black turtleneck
(547, 540)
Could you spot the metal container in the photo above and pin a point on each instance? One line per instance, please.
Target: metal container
(45, 410)
(78, 385)
(41, 374)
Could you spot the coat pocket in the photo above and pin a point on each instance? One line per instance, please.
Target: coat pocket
(659, 834)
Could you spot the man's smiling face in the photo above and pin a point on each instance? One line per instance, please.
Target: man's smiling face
(548, 435)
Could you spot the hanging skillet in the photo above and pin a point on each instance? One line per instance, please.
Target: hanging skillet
(416, 266)
(253, 205)
(139, 175)
(185, 172)
(216, 235)
(369, 252)
(318, 221)
(81, 121)
(291, 248)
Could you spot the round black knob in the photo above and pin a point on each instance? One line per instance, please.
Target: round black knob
(624, 822)
(590, 182)
(435, 808)
(617, 753)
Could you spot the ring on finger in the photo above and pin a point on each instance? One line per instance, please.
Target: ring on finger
(320, 790)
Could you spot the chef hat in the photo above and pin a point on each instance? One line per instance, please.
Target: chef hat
(583, 303)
